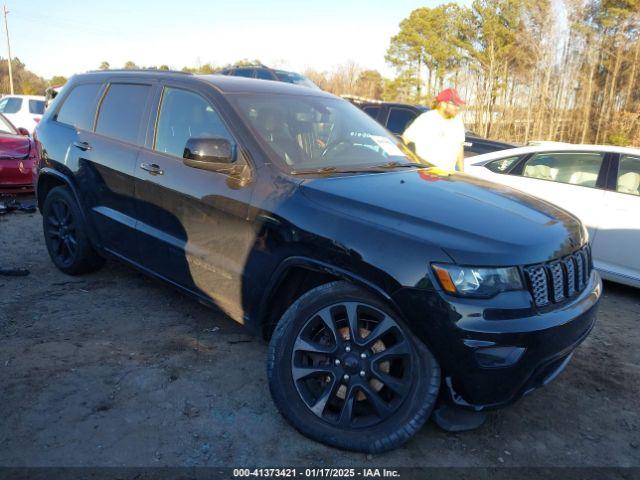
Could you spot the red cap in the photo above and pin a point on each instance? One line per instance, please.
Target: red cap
(450, 95)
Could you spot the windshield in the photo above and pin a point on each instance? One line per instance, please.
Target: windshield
(317, 132)
(296, 78)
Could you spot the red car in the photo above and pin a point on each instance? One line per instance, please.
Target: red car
(17, 158)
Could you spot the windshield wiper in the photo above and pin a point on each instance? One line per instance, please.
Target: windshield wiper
(366, 169)
(314, 170)
(399, 164)
(326, 170)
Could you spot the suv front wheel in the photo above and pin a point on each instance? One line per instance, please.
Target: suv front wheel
(344, 371)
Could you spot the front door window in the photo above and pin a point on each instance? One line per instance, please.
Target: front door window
(574, 168)
(184, 115)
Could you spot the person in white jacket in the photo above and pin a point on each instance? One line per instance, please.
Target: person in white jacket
(438, 135)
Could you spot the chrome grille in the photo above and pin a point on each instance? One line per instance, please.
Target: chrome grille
(570, 270)
(537, 278)
(556, 281)
(579, 259)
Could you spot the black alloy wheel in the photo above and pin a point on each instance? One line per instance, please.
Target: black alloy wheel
(61, 232)
(351, 364)
(65, 234)
(344, 370)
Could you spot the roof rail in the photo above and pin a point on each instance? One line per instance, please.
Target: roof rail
(251, 65)
(139, 70)
(358, 99)
(536, 143)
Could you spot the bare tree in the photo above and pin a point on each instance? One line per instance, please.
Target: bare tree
(527, 74)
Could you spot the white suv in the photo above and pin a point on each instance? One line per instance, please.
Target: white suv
(23, 110)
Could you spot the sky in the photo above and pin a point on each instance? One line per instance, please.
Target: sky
(66, 37)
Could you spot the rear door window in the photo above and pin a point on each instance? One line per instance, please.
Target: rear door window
(243, 72)
(398, 120)
(122, 111)
(575, 168)
(10, 105)
(36, 107)
(372, 111)
(79, 107)
(264, 74)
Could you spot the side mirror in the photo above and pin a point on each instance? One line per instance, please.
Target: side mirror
(23, 131)
(208, 153)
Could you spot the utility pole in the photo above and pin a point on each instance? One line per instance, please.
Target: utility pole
(6, 29)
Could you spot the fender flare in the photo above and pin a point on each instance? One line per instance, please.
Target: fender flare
(310, 263)
(51, 172)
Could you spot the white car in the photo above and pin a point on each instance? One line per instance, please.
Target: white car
(598, 184)
(23, 110)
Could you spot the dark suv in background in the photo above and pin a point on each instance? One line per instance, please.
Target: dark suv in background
(396, 117)
(384, 286)
(263, 72)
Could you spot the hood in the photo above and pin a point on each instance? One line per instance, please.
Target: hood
(474, 221)
(14, 146)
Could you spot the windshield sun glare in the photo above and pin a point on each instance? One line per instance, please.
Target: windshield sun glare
(307, 132)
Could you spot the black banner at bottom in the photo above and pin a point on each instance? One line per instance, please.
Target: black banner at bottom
(367, 473)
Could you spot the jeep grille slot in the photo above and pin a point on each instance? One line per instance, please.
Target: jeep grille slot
(556, 281)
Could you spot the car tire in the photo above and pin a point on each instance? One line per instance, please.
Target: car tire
(339, 377)
(65, 234)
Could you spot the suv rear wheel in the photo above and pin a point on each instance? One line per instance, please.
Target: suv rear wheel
(65, 234)
(343, 370)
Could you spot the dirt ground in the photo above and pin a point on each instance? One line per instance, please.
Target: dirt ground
(115, 369)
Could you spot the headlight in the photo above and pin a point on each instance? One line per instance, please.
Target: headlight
(477, 281)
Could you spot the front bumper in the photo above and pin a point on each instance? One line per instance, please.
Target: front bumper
(493, 352)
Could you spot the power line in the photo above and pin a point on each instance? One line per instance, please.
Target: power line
(58, 22)
(6, 28)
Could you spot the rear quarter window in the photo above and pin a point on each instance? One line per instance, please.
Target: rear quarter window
(122, 111)
(501, 165)
(79, 107)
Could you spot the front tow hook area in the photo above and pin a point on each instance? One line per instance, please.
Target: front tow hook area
(455, 419)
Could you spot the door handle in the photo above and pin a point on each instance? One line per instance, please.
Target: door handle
(152, 168)
(84, 146)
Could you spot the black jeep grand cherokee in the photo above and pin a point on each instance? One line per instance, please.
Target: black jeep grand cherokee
(382, 284)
